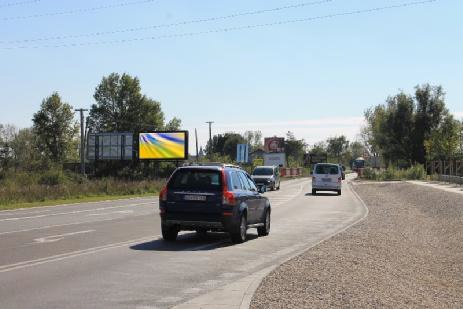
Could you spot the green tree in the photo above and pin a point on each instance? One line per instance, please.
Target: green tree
(55, 128)
(337, 147)
(356, 149)
(460, 134)
(319, 149)
(430, 111)
(444, 141)
(225, 144)
(294, 149)
(24, 147)
(254, 139)
(398, 129)
(173, 125)
(7, 133)
(373, 134)
(121, 107)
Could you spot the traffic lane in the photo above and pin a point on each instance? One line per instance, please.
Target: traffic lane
(61, 217)
(63, 232)
(49, 210)
(154, 273)
(41, 243)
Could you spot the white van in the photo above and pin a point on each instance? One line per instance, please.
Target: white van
(326, 177)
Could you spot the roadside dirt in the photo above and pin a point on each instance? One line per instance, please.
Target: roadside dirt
(407, 253)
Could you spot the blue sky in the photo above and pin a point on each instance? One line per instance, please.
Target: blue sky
(314, 78)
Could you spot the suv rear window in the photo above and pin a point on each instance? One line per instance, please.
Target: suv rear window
(194, 179)
(327, 169)
(263, 171)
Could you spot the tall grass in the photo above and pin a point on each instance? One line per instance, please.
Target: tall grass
(57, 185)
(416, 172)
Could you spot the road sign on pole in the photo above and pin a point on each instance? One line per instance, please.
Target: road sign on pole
(242, 153)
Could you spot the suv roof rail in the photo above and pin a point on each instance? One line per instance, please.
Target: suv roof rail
(218, 164)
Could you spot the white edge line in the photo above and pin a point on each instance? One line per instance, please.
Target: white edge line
(75, 212)
(59, 225)
(68, 255)
(76, 204)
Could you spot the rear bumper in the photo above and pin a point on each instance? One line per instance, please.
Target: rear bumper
(223, 224)
(331, 187)
(266, 184)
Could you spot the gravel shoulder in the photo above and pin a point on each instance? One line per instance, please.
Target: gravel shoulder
(407, 253)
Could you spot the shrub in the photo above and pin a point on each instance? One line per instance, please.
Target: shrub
(369, 173)
(416, 172)
(52, 178)
(54, 185)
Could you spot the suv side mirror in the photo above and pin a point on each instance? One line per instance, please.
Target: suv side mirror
(262, 189)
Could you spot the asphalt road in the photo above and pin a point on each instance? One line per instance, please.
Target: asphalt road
(109, 254)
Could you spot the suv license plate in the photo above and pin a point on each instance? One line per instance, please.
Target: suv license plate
(201, 198)
(326, 179)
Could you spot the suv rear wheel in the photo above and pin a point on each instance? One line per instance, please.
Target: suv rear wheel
(265, 230)
(239, 235)
(169, 233)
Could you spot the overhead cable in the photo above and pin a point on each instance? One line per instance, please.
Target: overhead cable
(10, 4)
(182, 23)
(77, 11)
(229, 29)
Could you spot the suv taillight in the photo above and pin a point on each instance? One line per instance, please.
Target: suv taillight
(163, 194)
(228, 198)
(340, 179)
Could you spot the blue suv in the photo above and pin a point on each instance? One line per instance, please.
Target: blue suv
(213, 197)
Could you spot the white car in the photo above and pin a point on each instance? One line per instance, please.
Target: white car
(327, 177)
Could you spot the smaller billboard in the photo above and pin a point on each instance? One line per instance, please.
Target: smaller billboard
(163, 145)
(274, 144)
(276, 159)
(318, 158)
(109, 146)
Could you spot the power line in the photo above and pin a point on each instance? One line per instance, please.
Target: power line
(77, 11)
(230, 29)
(10, 4)
(182, 23)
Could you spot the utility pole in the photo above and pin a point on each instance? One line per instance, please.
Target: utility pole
(82, 139)
(210, 138)
(197, 154)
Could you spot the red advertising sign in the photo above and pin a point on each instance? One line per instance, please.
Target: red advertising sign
(274, 144)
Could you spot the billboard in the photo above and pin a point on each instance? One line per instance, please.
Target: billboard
(163, 145)
(318, 158)
(274, 144)
(277, 159)
(109, 146)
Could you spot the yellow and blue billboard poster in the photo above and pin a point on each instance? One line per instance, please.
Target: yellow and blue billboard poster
(163, 145)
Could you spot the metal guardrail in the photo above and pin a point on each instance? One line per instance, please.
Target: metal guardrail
(446, 171)
(450, 168)
(451, 179)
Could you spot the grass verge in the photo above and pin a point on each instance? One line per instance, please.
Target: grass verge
(71, 201)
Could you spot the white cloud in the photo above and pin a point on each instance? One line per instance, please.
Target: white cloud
(458, 115)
